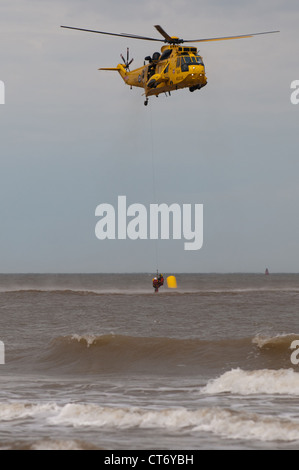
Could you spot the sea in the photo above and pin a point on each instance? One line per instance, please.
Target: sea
(102, 362)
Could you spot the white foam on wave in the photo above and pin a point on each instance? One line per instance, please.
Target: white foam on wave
(88, 339)
(94, 415)
(285, 339)
(222, 422)
(264, 381)
(48, 444)
(249, 426)
(12, 411)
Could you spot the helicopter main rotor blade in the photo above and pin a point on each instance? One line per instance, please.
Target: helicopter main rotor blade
(123, 35)
(164, 34)
(229, 37)
(167, 38)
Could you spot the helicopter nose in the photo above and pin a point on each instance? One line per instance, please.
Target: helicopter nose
(197, 75)
(197, 71)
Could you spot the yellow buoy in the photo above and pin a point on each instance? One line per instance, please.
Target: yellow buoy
(171, 282)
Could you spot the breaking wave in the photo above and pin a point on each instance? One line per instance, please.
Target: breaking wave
(91, 353)
(120, 353)
(219, 421)
(269, 382)
(277, 342)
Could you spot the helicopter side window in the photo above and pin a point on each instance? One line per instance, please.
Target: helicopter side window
(185, 64)
(178, 62)
(199, 60)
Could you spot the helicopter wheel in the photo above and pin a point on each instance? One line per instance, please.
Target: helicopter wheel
(146, 102)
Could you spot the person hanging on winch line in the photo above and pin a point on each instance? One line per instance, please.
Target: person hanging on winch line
(158, 281)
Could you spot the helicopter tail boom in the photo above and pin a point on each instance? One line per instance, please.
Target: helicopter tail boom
(130, 78)
(110, 68)
(120, 69)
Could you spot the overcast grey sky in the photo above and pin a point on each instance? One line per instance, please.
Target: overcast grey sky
(73, 137)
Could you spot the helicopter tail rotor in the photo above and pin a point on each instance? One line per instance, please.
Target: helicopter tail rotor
(127, 61)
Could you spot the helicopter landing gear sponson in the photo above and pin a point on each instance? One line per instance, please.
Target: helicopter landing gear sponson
(193, 88)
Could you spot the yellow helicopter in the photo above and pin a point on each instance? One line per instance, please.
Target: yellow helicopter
(174, 68)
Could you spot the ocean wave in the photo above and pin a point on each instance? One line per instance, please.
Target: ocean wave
(93, 353)
(152, 342)
(15, 410)
(123, 342)
(52, 444)
(145, 290)
(74, 291)
(264, 381)
(112, 353)
(218, 421)
(280, 341)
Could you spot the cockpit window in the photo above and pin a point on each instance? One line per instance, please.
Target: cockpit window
(187, 60)
(167, 53)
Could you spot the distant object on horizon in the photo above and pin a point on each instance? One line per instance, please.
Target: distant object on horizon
(267, 272)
